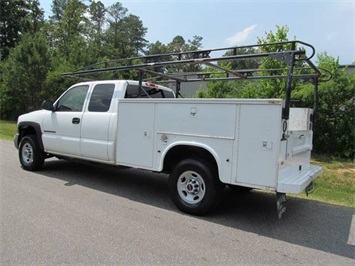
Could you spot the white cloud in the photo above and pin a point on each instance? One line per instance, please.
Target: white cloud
(240, 36)
(330, 36)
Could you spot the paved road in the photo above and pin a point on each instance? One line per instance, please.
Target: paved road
(78, 214)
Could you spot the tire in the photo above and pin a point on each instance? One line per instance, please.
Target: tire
(194, 187)
(30, 155)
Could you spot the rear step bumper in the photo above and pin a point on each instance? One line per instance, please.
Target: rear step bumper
(298, 182)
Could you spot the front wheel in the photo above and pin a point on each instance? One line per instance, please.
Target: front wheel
(194, 187)
(30, 155)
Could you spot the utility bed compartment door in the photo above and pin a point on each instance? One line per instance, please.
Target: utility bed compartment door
(197, 119)
(258, 145)
(135, 139)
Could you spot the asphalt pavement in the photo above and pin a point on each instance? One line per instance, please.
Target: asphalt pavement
(71, 213)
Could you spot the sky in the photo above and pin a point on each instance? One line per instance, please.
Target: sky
(329, 25)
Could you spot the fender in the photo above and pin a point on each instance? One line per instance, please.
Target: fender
(188, 143)
(22, 126)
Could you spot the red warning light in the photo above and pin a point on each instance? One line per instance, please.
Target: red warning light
(149, 84)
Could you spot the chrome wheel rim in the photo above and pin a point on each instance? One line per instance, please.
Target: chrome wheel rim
(27, 153)
(191, 187)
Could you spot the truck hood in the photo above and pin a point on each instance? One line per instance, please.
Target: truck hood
(35, 116)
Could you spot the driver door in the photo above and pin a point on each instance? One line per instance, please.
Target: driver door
(62, 127)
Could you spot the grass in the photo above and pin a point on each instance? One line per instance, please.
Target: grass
(336, 185)
(7, 130)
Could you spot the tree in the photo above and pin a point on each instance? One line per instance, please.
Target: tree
(233, 89)
(274, 87)
(24, 74)
(178, 45)
(134, 33)
(68, 31)
(195, 43)
(12, 17)
(34, 19)
(227, 89)
(116, 14)
(250, 63)
(157, 48)
(95, 28)
(334, 131)
(58, 8)
(98, 18)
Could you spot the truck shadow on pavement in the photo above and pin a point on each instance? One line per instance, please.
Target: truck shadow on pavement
(306, 223)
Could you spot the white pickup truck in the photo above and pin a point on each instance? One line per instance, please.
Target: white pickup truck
(203, 144)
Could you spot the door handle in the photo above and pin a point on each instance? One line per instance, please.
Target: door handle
(76, 120)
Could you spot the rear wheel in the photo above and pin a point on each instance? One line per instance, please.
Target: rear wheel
(30, 155)
(194, 187)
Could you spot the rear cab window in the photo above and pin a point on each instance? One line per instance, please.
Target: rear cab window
(151, 91)
(101, 97)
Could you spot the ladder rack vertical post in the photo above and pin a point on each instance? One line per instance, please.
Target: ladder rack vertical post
(316, 99)
(286, 111)
(177, 91)
(140, 89)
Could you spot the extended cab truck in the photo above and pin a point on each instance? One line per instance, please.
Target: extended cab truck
(203, 144)
(82, 123)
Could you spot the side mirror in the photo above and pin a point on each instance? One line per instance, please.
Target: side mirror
(48, 105)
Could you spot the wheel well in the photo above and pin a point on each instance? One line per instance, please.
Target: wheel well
(30, 129)
(179, 153)
(26, 130)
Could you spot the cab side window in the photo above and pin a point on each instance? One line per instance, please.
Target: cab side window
(73, 100)
(101, 97)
